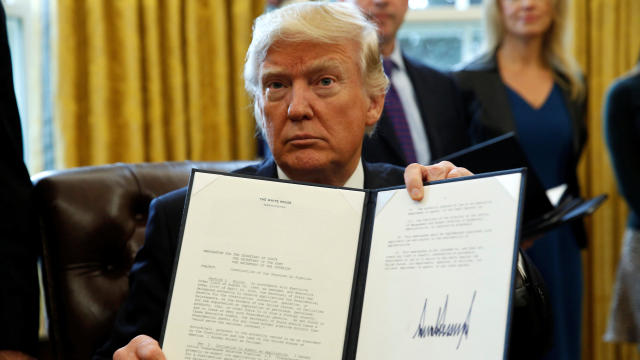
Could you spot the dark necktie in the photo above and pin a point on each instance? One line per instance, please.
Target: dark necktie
(395, 112)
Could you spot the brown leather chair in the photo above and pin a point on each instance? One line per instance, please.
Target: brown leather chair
(93, 222)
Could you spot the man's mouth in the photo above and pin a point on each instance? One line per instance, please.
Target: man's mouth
(380, 17)
(302, 140)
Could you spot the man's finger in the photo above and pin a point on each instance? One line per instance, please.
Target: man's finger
(141, 347)
(458, 172)
(434, 172)
(446, 167)
(413, 179)
(124, 353)
(416, 174)
(149, 349)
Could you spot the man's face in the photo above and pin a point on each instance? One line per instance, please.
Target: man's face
(387, 14)
(315, 109)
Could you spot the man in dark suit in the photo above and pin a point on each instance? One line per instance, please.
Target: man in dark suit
(423, 117)
(18, 248)
(315, 75)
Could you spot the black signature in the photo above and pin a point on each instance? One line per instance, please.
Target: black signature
(441, 327)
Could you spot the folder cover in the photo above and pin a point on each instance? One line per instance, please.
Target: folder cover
(504, 152)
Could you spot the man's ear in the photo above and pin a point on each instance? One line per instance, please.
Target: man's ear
(375, 109)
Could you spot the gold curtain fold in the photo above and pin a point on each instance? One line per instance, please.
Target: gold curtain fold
(152, 80)
(607, 45)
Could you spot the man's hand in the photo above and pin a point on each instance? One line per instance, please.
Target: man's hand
(141, 347)
(14, 355)
(416, 174)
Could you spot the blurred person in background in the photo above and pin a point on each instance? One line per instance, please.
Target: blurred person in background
(528, 83)
(423, 118)
(622, 133)
(19, 301)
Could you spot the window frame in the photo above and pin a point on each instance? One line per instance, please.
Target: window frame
(30, 73)
(441, 16)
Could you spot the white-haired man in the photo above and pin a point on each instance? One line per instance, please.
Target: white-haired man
(316, 78)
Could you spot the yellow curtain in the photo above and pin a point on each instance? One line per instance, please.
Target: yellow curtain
(607, 45)
(152, 80)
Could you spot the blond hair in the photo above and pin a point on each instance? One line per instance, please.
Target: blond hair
(325, 23)
(556, 49)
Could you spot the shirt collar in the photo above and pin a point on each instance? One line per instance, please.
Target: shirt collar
(396, 57)
(356, 181)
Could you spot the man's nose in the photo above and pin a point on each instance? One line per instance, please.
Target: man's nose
(299, 106)
(528, 3)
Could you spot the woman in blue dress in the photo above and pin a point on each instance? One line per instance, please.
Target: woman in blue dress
(529, 84)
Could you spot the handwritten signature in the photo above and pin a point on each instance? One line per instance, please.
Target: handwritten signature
(441, 328)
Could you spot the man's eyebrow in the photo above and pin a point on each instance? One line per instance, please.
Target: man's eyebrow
(315, 67)
(324, 65)
(272, 71)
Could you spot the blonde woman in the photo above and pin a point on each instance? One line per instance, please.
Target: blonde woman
(527, 83)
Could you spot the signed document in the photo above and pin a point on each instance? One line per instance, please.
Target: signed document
(270, 269)
(440, 272)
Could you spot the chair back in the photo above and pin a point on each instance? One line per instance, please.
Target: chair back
(93, 222)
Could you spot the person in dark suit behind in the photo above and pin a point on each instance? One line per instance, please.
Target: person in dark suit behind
(528, 83)
(315, 75)
(19, 306)
(423, 118)
(622, 133)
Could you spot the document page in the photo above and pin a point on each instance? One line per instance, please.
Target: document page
(265, 270)
(440, 272)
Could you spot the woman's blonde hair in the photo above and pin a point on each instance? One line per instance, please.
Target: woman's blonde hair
(556, 47)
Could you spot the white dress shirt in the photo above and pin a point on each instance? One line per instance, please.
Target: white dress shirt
(407, 95)
(356, 181)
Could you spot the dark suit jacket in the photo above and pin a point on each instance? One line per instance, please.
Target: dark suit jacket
(487, 105)
(143, 311)
(622, 132)
(442, 115)
(19, 303)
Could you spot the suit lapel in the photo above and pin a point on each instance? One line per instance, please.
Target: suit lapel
(267, 168)
(382, 175)
(423, 100)
(577, 122)
(498, 117)
(371, 181)
(497, 106)
(428, 106)
(384, 131)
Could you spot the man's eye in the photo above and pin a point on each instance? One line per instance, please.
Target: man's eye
(275, 85)
(326, 81)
